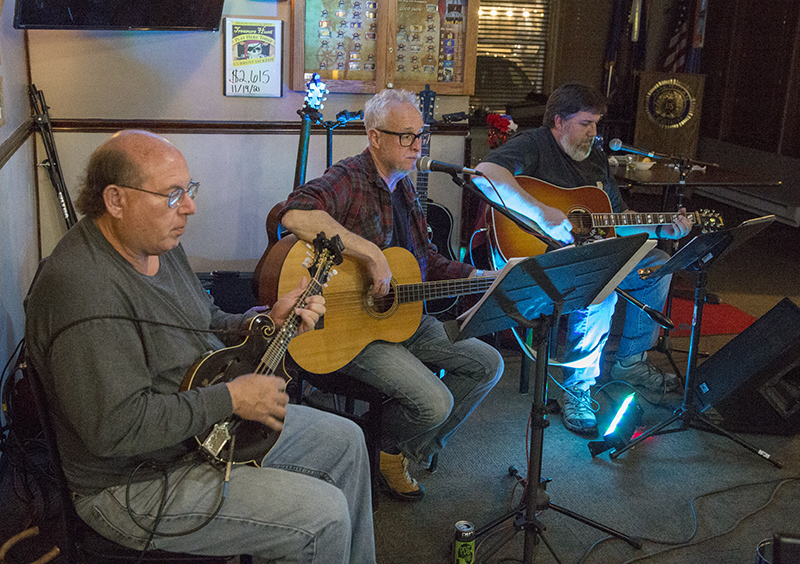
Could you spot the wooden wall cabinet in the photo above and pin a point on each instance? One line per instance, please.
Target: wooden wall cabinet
(364, 46)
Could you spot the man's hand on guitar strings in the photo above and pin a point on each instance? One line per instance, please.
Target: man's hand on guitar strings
(259, 398)
(555, 224)
(309, 313)
(381, 274)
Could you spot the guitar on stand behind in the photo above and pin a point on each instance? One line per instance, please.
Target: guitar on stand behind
(439, 219)
(310, 113)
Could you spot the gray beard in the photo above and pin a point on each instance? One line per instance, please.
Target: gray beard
(575, 152)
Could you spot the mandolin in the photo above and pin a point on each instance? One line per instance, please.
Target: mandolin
(260, 353)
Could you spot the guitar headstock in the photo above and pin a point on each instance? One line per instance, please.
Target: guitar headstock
(710, 220)
(315, 93)
(427, 104)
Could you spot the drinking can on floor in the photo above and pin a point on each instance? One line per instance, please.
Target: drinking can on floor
(464, 546)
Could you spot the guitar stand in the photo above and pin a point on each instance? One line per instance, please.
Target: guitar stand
(534, 292)
(51, 164)
(698, 255)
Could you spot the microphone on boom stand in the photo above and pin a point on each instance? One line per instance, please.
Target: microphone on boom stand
(618, 145)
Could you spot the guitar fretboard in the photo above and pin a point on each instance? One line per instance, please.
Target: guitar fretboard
(628, 218)
(421, 291)
(422, 177)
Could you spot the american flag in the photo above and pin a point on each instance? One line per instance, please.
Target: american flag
(678, 47)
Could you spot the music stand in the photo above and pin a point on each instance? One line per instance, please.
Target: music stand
(535, 292)
(697, 255)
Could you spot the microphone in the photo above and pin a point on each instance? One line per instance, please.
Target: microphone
(617, 145)
(427, 164)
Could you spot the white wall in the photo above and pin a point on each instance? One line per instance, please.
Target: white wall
(178, 76)
(19, 252)
(242, 177)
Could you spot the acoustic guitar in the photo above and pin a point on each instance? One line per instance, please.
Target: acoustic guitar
(587, 208)
(353, 320)
(260, 353)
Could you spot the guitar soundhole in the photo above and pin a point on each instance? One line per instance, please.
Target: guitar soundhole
(384, 306)
(581, 222)
(582, 228)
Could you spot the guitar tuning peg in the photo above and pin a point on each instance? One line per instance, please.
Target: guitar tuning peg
(334, 272)
(306, 262)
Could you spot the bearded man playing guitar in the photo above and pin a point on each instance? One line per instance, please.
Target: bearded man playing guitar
(115, 319)
(369, 201)
(563, 152)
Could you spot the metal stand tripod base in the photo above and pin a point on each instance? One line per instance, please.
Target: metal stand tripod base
(687, 414)
(536, 498)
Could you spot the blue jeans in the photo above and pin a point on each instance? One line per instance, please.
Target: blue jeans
(589, 328)
(309, 502)
(425, 411)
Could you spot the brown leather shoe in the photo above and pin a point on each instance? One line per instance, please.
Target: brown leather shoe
(396, 480)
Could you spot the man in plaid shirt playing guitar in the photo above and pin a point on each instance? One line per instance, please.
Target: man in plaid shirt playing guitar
(370, 203)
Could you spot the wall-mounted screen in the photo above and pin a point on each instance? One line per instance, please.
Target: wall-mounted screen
(200, 15)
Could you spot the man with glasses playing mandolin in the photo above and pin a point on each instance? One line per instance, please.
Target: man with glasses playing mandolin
(563, 153)
(369, 201)
(115, 320)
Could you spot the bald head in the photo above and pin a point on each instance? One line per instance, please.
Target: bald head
(123, 159)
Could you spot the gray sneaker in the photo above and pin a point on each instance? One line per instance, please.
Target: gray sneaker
(576, 412)
(636, 370)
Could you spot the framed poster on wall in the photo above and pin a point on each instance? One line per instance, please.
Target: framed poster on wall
(253, 57)
(366, 45)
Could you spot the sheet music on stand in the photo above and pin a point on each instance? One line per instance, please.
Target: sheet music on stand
(570, 277)
(708, 247)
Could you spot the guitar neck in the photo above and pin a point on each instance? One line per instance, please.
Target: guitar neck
(422, 176)
(633, 218)
(422, 291)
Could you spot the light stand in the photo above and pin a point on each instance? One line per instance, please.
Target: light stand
(697, 256)
(534, 292)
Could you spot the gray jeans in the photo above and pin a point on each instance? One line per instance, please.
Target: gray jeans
(309, 502)
(426, 410)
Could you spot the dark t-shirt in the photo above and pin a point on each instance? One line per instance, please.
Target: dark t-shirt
(536, 153)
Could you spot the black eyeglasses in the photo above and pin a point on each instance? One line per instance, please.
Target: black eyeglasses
(175, 197)
(407, 139)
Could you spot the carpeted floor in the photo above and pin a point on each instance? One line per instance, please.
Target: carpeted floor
(718, 319)
(692, 496)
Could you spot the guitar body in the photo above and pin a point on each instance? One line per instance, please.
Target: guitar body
(440, 228)
(511, 241)
(253, 439)
(350, 322)
(274, 233)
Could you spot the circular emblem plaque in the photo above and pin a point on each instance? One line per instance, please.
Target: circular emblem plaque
(669, 104)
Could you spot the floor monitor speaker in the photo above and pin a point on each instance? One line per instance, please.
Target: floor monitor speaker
(753, 382)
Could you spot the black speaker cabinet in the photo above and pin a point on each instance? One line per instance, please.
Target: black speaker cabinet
(754, 380)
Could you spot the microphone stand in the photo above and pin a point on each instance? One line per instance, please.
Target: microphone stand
(683, 164)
